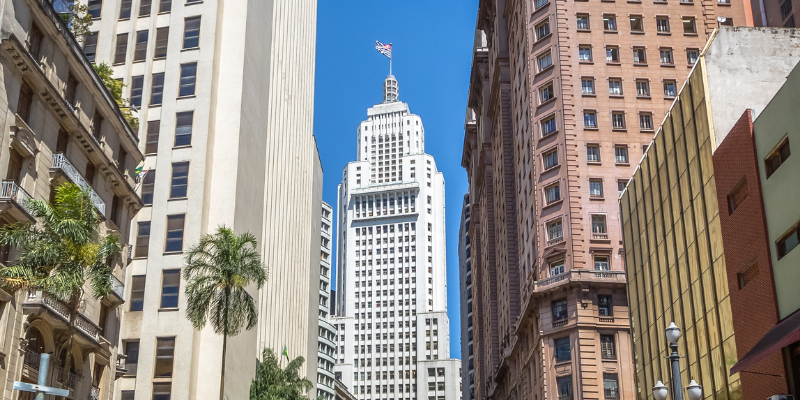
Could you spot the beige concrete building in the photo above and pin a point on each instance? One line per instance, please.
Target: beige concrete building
(60, 124)
(225, 95)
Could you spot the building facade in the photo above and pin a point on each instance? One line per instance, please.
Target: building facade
(695, 189)
(773, 13)
(465, 279)
(563, 95)
(60, 125)
(326, 357)
(391, 303)
(223, 146)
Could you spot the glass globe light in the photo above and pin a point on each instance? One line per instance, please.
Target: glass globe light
(660, 391)
(673, 333)
(694, 390)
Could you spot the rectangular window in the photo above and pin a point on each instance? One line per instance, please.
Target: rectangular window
(128, 395)
(692, 55)
(593, 153)
(131, 356)
(590, 119)
(542, 30)
(596, 188)
(137, 293)
(552, 193)
(669, 89)
(601, 263)
(174, 233)
(188, 79)
(585, 53)
(25, 102)
(164, 6)
(157, 89)
(599, 227)
(610, 23)
(642, 88)
(71, 89)
(151, 143)
(621, 187)
(557, 267)
(612, 54)
(689, 26)
(615, 87)
(554, 231)
(180, 180)
(97, 124)
(747, 275)
(537, 4)
(170, 286)
(639, 56)
(544, 61)
(788, 242)
(587, 86)
(559, 310)
(618, 119)
(551, 159)
(546, 93)
(142, 239)
(125, 9)
(777, 158)
(646, 121)
(610, 386)
(95, 7)
(183, 128)
(148, 186)
(604, 306)
(607, 350)
(666, 57)
(144, 8)
(548, 125)
(162, 390)
(162, 39)
(140, 51)
(137, 87)
(636, 24)
(583, 22)
(621, 153)
(191, 32)
(122, 49)
(90, 46)
(564, 384)
(662, 24)
(165, 357)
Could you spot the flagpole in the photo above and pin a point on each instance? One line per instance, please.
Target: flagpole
(390, 65)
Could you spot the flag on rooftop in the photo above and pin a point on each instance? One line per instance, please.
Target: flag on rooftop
(385, 49)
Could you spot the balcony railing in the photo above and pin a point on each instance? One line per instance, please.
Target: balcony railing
(94, 393)
(600, 236)
(581, 275)
(555, 241)
(11, 191)
(61, 162)
(59, 374)
(118, 287)
(83, 324)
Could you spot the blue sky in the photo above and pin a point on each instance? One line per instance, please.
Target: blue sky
(432, 51)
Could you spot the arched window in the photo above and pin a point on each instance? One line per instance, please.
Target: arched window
(35, 340)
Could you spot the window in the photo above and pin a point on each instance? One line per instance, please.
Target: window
(593, 153)
(564, 384)
(590, 119)
(188, 79)
(587, 86)
(610, 23)
(599, 227)
(646, 121)
(162, 390)
(165, 357)
(621, 153)
(165, 6)
(615, 87)
(140, 51)
(607, 350)
(543, 29)
(550, 159)
(174, 233)
(97, 124)
(183, 128)
(612, 54)
(666, 57)
(562, 345)
(120, 52)
(71, 89)
(131, 356)
(585, 53)
(157, 90)
(692, 55)
(601, 263)
(180, 180)
(151, 144)
(604, 306)
(544, 61)
(137, 294)
(662, 24)
(125, 9)
(144, 8)
(95, 6)
(583, 22)
(788, 24)
(142, 239)
(25, 102)
(137, 86)
(552, 193)
(747, 275)
(596, 188)
(148, 185)
(554, 232)
(546, 93)
(557, 267)
(621, 187)
(689, 26)
(777, 158)
(162, 39)
(669, 88)
(618, 119)
(786, 9)
(170, 286)
(90, 46)
(788, 242)
(559, 311)
(637, 26)
(610, 386)
(639, 56)
(537, 4)
(548, 125)
(191, 32)
(642, 88)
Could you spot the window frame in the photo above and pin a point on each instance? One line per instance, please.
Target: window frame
(184, 82)
(157, 89)
(598, 182)
(593, 86)
(165, 296)
(162, 42)
(145, 242)
(137, 294)
(548, 155)
(640, 19)
(780, 153)
(142, 38)
(643, 116)
(168, 231)
(161, 345)
(191, 34)
(182, 177)
(581, 49)
(618, 116)
(583, 16)
(612, 51)
(597, 148)
(610, 23)
(616, 155)
(590, 116)
(183, 135)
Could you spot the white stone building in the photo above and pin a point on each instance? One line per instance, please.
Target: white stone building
(326, 351)
(391, 296)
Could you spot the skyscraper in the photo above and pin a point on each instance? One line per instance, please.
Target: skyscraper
(465, 280)
(326, 351)
(210, 81)
(392, 325)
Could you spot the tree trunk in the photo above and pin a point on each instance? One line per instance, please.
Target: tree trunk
(224, 345)
(68, 357)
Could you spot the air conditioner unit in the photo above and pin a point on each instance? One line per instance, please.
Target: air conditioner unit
(781, 397)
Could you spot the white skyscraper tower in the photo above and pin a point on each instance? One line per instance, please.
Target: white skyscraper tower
(391, 291)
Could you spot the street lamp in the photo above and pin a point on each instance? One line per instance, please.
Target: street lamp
(694, 390)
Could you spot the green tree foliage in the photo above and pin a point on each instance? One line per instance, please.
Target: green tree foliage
(275, 383)
(115, 88)
(218, 271)
(75, 15)
(62, 253)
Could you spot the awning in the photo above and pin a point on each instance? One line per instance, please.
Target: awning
(780, 336)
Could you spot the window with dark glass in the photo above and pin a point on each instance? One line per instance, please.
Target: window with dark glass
(737, 195)
(131, 356)
(71, 89)
(180, 180)
(151, 142)
(601, 263)
(137, 292)
(183, 128)
(165, 357)
(610, 386)
(562, 349)
(90, 46)
(121, 51)
(89, 173)
(188, 79)
(170, 285)
(607, 350)
(25, 102)
(125, 9)
(559, 309)
(551, 159)
(148, 186)
(564, 384)
(62, 142)
(162, 39)
(95, 6)
(140, 50)
(165, 6)
(604, 306)
(128, 395)
(145, 7)
(777, 157)
(137, 87)
(174, 233)
(142, 239)
(157, 89)
(191, 32)
(789, 241)
(35, 38)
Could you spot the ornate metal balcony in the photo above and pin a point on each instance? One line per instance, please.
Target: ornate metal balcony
(60, 162)
(17, 197)
(599, 236)
(555, 241)
(40, 299)
(117, 287)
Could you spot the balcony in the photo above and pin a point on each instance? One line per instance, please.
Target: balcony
(599, 236)
(580, 275)
(30, 370)
(14, 199)
(36, 301)
(555, 241)
(118, 288)
(122, 367)
(60, 163)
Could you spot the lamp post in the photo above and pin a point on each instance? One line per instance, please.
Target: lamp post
(694, 390)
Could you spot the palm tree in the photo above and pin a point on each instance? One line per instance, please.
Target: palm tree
(61, 254)
(218, 271)
(272, 382)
